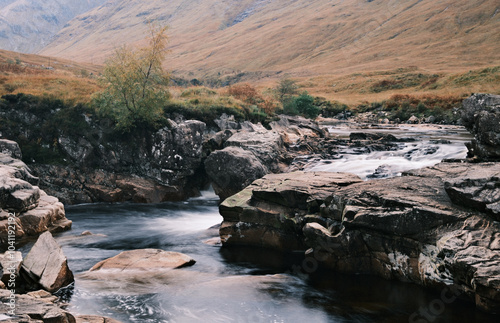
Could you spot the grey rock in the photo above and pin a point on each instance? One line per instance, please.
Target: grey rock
(232, 169)
(46, 264)
(481, 115)
(32, 309)
(405, 228)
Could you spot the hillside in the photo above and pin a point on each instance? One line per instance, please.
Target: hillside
(28, 25)
(211, 38)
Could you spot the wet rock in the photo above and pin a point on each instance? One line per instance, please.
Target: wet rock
(31, 309)
(46, 265)
(381, 172)
(481, 115)
(232, 169)
(269, 212)
(403, 228)
(145, 260)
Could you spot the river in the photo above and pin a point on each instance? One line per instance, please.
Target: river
(241, 284)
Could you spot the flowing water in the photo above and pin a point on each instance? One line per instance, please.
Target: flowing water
(231, 284)
(432, 144)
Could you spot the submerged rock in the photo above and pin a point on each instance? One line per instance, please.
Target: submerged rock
(145, 260)
(404, 228)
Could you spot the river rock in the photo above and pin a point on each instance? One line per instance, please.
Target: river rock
(46, 265)
(481, 115)
(247, 155)
(268, 213)
(31, 309)
(145, 260)
(405, 228)
(232, 169)
(266, 145)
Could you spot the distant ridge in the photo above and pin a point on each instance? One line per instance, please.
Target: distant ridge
(28, 25)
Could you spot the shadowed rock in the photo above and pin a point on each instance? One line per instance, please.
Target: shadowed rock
(46, 264)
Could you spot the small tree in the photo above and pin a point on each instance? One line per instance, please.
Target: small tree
(285, 89)
(136, 83)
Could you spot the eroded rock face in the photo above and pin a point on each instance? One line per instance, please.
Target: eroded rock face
(46, 265)
(34, 211)
(404, 228)
(271, 211)
(481, 115)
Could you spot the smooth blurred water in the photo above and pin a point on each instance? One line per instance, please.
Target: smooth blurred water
(427, 150)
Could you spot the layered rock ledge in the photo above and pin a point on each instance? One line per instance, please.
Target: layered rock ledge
(406, 228)
(35, 211)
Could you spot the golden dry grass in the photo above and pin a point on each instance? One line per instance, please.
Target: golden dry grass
(46, 76)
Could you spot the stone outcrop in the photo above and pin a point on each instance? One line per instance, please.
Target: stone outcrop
(481, 115)
(156, 167)
(253, 151)
(84, 159)
(144, 260)
(46, 266)
(35, 212)
(404, 228)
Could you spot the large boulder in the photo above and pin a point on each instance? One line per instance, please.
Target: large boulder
(405, 228)
(232, 169)
(481, 115)
(248, 155)
(46, 265)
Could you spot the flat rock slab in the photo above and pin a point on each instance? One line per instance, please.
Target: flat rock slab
(47, 265)
(146, 260)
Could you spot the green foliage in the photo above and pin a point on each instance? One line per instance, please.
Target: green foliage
(135, 84)
(303, 105)
(286, 89)
(490, 75)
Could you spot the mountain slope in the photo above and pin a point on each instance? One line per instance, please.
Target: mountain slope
(267, 37)
(27, 25)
